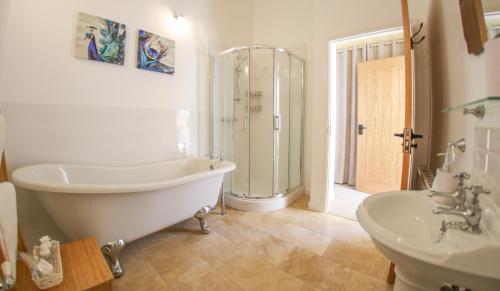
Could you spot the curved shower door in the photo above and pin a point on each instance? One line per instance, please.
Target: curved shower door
(261, 108)
(282, 122)
(296, 125)
(241, 123)
(257, 120)
(230, 120)
(289, 92)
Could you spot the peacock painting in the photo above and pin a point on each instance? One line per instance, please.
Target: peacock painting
(100, 39)
(155, 53)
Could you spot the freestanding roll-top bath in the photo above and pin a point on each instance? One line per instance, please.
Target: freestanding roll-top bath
(125, 203)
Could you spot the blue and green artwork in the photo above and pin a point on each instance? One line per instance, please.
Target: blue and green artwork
(155, 53)
(100, 39)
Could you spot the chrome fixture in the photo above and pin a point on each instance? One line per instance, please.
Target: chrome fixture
(7, 282)
(220, 156)
(201, 215)
(458, 196)
(478, 111)
(476, 190)
(111, 252)
(222, 200)
(212, 156)
(178, 16)
(472, 218)
(471, 213)
(449, 156)
(459, 144)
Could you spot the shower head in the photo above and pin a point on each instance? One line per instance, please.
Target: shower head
(241, 57)
(240, 62)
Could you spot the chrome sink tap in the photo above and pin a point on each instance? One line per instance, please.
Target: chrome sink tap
(459, 195)
(472, 218)
(471, 214)
(220, 156)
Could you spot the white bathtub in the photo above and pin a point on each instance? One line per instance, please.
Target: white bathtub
(123, 203)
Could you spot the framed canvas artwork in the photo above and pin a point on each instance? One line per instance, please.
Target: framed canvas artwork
(155, 53)
(100, 39)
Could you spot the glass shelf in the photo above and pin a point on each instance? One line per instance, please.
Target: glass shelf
(472, 103)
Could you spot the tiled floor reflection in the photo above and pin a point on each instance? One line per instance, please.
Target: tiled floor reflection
(289, 249)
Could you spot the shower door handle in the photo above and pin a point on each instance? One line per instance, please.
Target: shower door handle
(245, 123)
(277, 123)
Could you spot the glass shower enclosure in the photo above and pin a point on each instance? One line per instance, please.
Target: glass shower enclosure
(257, 117)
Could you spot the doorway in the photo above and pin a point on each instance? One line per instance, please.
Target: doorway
(366, 93)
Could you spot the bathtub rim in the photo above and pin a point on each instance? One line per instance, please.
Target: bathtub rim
(87, 188)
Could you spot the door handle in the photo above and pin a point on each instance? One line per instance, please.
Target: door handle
(408, 136)
(361, 128)
(277, 123)
(416, 135)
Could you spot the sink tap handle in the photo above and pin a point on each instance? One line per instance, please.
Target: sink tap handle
(476, 190)
(462, 176)
(452, 211)
(472, 217)
(433, 193)
(457, 196)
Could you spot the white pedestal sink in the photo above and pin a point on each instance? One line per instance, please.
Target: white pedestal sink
(403, 227)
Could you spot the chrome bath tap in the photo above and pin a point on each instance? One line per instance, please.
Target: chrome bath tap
(471, 214)
(220, 156)
(7, 282)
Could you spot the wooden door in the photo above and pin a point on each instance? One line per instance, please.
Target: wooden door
(381, 113)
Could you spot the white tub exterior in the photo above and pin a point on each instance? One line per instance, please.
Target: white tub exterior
(126, 203)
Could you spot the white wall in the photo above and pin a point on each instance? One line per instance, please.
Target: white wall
(333, 20)
(305, 27)
(287, 24)
(4, 16)
(457, 77)
(62, 109)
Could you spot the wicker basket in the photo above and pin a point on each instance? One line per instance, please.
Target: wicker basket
(56, 278)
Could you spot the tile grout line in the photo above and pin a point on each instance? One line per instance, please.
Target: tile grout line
(348, 279)
(158, 273)
(273, 266)
(213, 267)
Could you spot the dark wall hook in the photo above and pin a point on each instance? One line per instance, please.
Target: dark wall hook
(412, 38)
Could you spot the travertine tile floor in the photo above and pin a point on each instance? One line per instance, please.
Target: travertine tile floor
(289, 249)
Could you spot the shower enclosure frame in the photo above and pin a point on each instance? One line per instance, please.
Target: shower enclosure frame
(276, 116)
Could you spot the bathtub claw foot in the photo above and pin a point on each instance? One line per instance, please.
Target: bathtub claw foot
(111, 252)
(201, 215)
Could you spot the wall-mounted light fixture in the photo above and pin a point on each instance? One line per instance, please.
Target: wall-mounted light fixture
(178, 16)
(178, 25)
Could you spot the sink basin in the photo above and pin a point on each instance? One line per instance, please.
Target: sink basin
(404, 228)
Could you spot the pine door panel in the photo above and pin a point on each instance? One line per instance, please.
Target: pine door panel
(381, 109)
